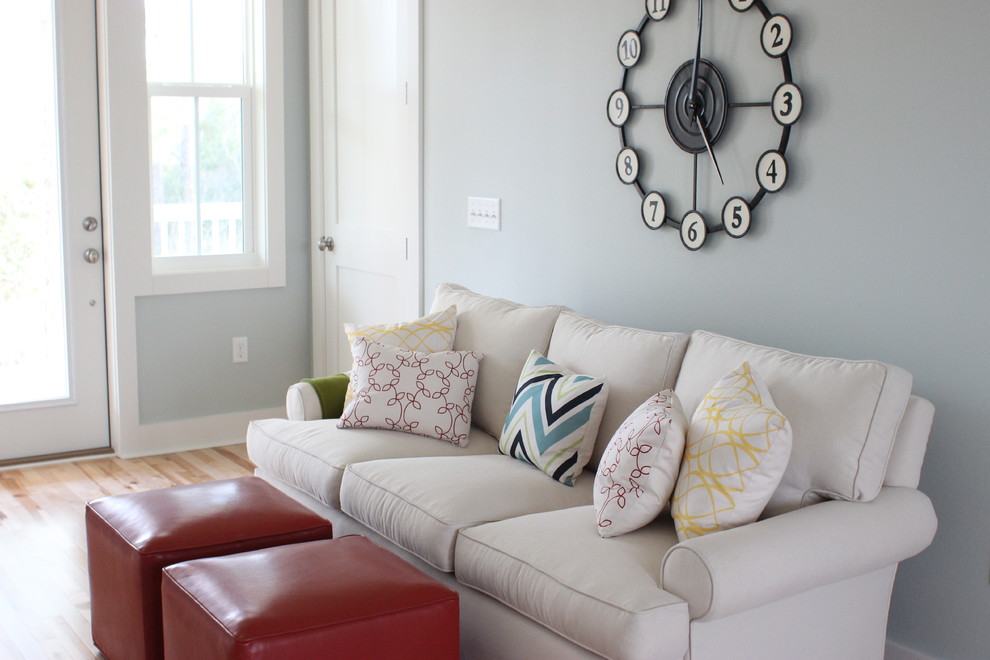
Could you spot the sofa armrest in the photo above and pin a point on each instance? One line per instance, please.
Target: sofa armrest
(302, 404)
(316, 398)
(738, 569)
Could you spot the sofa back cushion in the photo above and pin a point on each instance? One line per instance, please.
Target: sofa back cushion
(904, 466)
(636, 363)
(844, 414)
(505, 332)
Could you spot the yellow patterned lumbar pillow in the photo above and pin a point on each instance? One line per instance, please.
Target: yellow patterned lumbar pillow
(737, 449)
(434, 333)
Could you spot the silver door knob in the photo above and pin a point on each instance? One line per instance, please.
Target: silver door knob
(325, 244)
(91, 255)
(90, 223)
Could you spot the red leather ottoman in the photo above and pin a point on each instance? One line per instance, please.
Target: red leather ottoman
(132, 537)
(345, 598)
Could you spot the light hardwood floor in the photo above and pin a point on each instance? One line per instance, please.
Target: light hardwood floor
(44, 586)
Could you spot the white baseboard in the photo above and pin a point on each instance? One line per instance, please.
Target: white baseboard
(190, 434)
(895, 651)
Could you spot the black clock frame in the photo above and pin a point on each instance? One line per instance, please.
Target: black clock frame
(683, 131)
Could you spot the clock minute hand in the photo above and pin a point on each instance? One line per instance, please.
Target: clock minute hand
(708, 145)
(697, 58)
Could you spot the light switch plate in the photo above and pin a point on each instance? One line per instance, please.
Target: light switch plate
(485, 213)
(240, 349)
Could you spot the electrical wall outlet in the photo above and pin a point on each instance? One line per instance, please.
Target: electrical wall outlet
(240, 352)
(485, 213)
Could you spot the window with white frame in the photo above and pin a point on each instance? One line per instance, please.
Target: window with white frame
(208, 110)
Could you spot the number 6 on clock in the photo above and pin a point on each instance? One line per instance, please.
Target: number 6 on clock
(693, 230)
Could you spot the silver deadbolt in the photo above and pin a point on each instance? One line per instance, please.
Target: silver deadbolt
(326, 244)
(90, 223)
(92, 255)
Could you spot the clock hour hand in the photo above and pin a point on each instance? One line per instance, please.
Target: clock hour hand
(708, 145)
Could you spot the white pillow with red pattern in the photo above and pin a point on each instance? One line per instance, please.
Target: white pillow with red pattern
(639, 468)
(427, 394)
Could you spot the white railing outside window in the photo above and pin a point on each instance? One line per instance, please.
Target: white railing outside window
(175, 231)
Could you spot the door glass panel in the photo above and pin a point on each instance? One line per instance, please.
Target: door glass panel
(33, 337)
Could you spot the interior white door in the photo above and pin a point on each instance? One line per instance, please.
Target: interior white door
(53, 366)
(367, 190)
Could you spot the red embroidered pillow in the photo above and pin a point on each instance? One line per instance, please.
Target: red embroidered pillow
(426, 394)
(639, 468)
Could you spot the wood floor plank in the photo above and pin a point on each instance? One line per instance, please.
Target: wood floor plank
(44, 585)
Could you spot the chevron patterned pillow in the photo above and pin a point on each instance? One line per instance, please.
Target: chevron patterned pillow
(554, 418)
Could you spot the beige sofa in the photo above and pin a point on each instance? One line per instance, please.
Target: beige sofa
(811, 579)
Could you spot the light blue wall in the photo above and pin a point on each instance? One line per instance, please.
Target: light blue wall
(877, 248)
(184, 341)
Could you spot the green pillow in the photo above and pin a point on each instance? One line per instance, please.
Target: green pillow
(331, 391)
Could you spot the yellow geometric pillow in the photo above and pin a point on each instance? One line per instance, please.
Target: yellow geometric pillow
(737, 449)
(433, 333)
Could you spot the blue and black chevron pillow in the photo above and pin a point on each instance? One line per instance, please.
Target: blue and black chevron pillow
(554, 418)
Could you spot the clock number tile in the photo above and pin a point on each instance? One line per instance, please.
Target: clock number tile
(630, 48)
(657, 9)
(736, 217)
(771, 171)
(627, 165)
(693, 230)
(618, 108)
(654, 210)
(788, 102)
(741, 5)
(776, 35)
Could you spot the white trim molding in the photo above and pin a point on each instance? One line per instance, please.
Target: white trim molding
(124, 163)
(895, 651)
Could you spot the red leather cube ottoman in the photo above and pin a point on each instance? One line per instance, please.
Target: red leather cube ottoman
(345, 598)
(132, 537)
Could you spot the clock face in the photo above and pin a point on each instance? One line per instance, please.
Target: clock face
(704, 113)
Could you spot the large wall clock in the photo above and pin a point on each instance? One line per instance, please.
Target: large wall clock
(704, 113)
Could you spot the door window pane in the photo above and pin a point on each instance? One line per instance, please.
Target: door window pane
(33, 344)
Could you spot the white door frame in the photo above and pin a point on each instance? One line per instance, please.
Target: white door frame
(323, 174)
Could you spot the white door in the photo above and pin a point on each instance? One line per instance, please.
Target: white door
(365, 85)
(53, 367)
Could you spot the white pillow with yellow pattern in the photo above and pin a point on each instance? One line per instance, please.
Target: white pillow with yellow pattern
(738, 445)
(434, 333)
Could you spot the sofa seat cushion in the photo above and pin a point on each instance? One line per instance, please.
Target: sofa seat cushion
(844, 414)
(420, 504)
(601, 594)
(312, 455)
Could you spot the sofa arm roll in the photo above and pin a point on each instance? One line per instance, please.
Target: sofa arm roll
(316, 398)
(735, 570)
(302, 404)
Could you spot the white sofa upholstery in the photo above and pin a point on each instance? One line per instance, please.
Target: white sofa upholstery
(812, 578)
